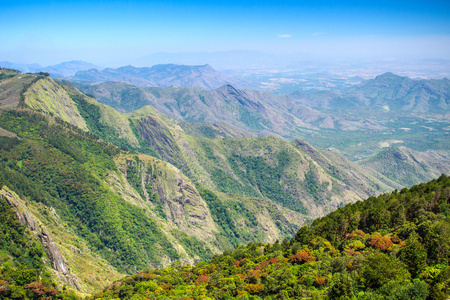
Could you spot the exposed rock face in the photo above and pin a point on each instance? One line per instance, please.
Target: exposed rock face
(178, 197)
(184, 207)
(24, 216)
(168, 197)
(57, 260)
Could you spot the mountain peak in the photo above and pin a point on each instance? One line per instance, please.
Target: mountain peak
(388, 75)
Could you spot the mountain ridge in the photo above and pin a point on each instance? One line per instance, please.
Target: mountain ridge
(409, 167)
(388, 92)
(201, 76)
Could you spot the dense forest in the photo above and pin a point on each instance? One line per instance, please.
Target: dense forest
(394, 246)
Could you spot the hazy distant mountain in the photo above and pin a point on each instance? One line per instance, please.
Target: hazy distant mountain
(348, 121)
(387, 92)
(253, 110)
(236, 59)
(69, 68)
(64, 69)
(402, 93)
(94, 76)
(161, 75)
(21, 67)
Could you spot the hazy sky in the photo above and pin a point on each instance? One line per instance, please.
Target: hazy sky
(108, 32)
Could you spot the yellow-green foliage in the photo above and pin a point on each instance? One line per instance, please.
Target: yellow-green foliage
(48, 97)
(106, 120)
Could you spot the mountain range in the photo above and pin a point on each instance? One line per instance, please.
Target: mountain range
(401, 112)
(221, 59)
(203, 76)
(64, 69)
(387, 92)
(181, 173)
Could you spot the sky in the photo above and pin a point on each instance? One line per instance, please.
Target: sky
(114, 32)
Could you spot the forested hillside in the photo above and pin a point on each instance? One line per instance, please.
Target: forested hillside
(395, 246)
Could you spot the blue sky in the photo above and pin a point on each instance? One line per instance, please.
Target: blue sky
(110, 32)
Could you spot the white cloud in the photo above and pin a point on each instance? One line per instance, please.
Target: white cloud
(284, 36)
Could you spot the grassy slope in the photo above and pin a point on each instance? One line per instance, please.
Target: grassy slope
(47, 96)
(11, 90)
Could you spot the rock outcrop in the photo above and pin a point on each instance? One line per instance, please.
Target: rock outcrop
(24, 216)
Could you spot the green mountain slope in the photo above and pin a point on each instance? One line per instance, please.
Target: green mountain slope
(132, 211)
(294, 174)
(394, 246)
(306, 181)
(359, 122)
(12, 89)
(47, 96)
(64, 257)
(409, 167)
(23, 273)
(64, 168)
(260, 112)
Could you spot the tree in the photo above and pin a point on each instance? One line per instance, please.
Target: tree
(342, 288)
(379, 269)
(414, 255)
